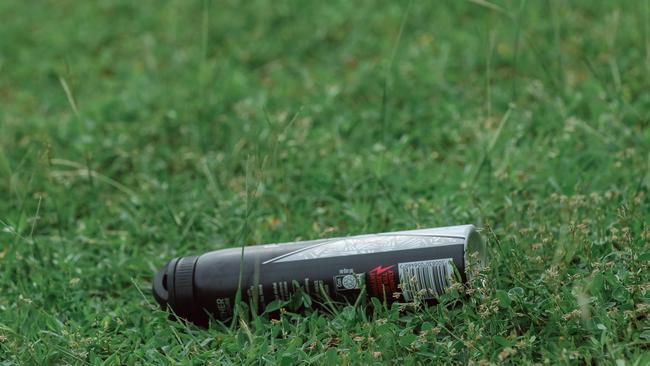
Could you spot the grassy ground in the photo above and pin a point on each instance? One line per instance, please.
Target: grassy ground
(133, 132)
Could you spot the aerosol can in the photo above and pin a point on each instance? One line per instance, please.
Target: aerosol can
(395, 266)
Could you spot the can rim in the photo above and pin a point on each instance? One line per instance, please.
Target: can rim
(474, 243)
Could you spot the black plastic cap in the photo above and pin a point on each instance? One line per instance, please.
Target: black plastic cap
(173, 286)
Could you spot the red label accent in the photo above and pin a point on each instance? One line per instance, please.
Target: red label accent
(382, 280)
(379, 270)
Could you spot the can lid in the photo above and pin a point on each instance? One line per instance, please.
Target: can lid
(163, 283)
(173, 285)
(475, 250)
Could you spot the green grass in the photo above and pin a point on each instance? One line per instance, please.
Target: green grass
(133, 132)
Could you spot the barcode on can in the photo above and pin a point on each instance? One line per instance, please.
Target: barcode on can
(425, 279)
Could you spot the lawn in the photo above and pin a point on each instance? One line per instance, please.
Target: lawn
(134, 132)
